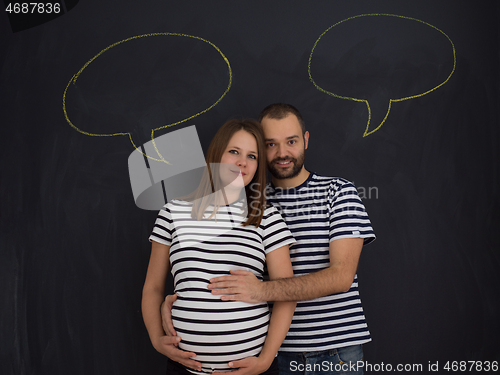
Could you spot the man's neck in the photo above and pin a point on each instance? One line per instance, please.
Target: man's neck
(288, 183)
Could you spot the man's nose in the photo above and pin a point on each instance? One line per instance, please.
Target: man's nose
(280, 151)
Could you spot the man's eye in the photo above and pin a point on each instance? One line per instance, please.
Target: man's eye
(270, 145)
(293, 141)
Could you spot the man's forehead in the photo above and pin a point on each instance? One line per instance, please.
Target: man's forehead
(279, 137)
(287, 127)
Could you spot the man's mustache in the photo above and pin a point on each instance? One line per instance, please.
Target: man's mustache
(275, 160)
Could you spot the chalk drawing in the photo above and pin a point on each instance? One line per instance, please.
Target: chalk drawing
(75, 78)
(392, 100)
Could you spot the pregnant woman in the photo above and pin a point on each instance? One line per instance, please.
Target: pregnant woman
(224, 225)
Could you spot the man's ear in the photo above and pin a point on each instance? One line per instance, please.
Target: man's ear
(306, 140)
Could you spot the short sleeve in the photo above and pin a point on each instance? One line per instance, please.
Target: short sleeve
(163, 228)
(348, 216)
(275, 232)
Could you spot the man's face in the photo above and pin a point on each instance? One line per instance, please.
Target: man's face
(285, 146)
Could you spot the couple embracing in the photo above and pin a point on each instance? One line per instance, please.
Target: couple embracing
(302, 233)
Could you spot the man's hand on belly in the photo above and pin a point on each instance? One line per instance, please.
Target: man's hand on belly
(239, 286)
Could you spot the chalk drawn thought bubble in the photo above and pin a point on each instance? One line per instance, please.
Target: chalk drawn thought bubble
(381, 59)
(146, 83)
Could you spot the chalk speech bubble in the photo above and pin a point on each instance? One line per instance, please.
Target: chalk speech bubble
(146, 83)
(380, 59)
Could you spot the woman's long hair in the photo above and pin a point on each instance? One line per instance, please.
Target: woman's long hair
(211, 182)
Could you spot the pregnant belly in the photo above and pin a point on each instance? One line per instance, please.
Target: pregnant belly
(220, 331)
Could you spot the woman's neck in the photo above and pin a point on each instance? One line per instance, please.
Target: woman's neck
(227, 196)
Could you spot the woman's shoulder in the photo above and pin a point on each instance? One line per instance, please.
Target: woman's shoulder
(177, 204)
(180, 202)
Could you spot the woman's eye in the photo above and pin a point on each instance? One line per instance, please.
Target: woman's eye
(233, 152)
(252, 157)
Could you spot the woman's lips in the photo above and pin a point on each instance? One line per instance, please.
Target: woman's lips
(238, 172)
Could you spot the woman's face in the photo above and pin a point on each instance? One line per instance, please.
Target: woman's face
(239, 160)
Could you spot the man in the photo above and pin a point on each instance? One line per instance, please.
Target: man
(330, 225)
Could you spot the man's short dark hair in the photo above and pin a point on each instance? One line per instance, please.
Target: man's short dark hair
(279, 111)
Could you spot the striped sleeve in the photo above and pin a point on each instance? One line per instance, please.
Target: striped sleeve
(275, 231)
(163, 228)
(348, 216)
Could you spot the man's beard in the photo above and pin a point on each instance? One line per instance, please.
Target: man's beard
(280, 174)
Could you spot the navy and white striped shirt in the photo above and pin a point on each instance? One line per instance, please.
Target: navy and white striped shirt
(217, 331)
(317, 212)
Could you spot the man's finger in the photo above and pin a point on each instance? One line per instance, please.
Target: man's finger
(220, 279)
(177, 355)
(170, 299)
(231, 282)
(235, 276)
(226, 286)
(166, 315)
(168, 327)
(221, 291)
(239, 371)
(243, 366)
(240, 363)
(186, 355)
(187, 360)
(232, 297)
(191, 363)
(170, 340)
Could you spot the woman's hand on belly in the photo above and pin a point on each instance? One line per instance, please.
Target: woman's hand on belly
(167, 345)
(247, 366)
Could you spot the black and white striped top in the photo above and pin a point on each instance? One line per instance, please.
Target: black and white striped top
(317, 212)
(217, 331)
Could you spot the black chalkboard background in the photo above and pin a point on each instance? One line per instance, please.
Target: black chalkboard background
(74, 246)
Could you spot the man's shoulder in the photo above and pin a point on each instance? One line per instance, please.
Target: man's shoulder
(334, 183)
